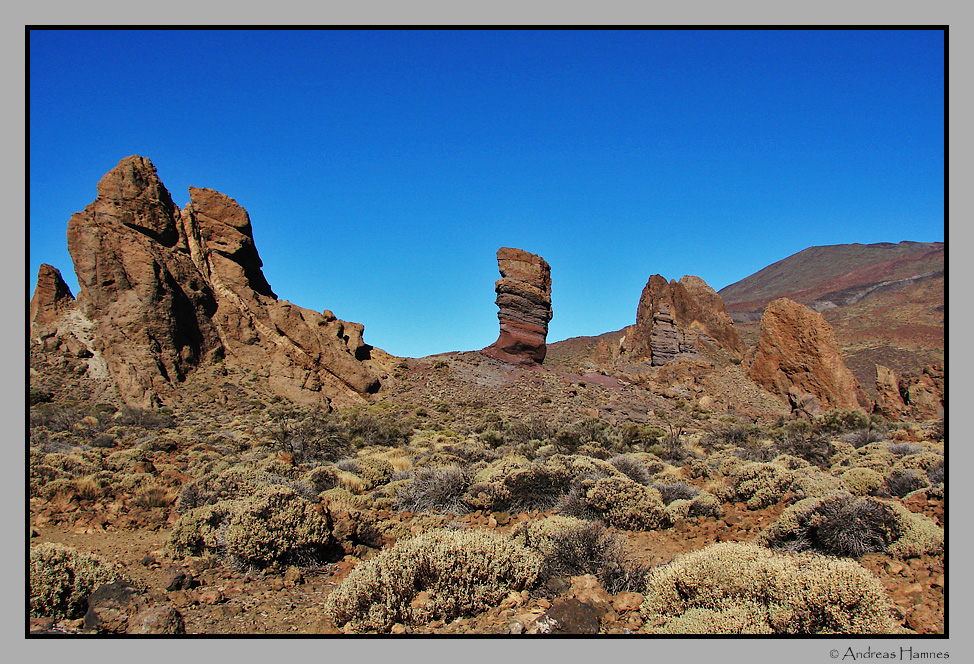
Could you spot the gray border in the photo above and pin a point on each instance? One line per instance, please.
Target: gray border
(501, 12)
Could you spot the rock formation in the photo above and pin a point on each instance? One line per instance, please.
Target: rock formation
(798, 360)
(52, 297)
(919, 396)
(524, 307)
(680, 319)
(164, 291)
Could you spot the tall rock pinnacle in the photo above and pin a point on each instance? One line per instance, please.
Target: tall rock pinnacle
(524, 307)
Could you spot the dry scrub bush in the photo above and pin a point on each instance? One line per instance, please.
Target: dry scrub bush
(619, 502)
(375, 471)
(439, 489)
(845, 525)
(532, 486)
(438, 575)
(572, 547)
(900, 483)
(759, 484)
(341, 498)
(739, 588)
(632, 467)
(922, 461)
(704, 504)
(875, 456)
(273, 525)
(62, 578)
(816, 484)
(863, 481)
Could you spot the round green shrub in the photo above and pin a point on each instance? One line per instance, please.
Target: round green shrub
(437, 575)
(62, 578)
(739, 588)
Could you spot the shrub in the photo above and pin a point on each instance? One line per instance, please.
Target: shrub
(274, 525)
(837, 421)
(816, 484)
(437, 575)
(631, 467)
(905, 449)
(508, 485)
(759, 484)
(675, 491)
(62, 578)
(814, 448)
(865, 436)
(619, 502)
(731, 435)
(902, 482)
(438, 489)
(845, 525)
(738, 588)
(571, 547)
(935, 473)
(863, 481)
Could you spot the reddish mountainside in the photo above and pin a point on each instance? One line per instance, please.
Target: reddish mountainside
(885, 301)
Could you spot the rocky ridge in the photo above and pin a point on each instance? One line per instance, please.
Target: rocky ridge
(164, 291)
(681, 319)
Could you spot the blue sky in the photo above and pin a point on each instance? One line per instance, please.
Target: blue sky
(383, 169)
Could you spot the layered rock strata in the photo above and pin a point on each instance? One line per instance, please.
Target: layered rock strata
(678, 319)
(164, 291)
(798, 360)
(524, 307)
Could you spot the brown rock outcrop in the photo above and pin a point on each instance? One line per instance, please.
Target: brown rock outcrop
(164, 291)
(680, 319)
(52, 297)
(798, 360)
(918, 396)
(524, 307)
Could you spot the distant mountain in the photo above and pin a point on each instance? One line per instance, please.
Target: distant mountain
(885, 301)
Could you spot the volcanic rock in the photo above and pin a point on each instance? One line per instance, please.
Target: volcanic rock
(524, 307)
(920, 395)
(52, 297)
(798, 360)
(680, 319)
(164, 291)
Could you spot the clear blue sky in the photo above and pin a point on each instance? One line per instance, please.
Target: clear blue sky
(383, 169)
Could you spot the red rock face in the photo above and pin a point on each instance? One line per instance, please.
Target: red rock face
(164, 290)
(524, 307)
(919, 396)
(681, 319)
(798, 360)
(52, 297)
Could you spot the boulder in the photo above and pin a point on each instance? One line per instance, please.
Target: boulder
(524, 307)
(798, 360)
(165, 291)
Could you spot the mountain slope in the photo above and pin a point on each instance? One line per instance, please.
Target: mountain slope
(885, 301)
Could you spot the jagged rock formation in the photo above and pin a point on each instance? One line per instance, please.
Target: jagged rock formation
(164, 291)
(798, 360)
(52, 297)
(524, 307)
(919, 396)
(680, 319)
